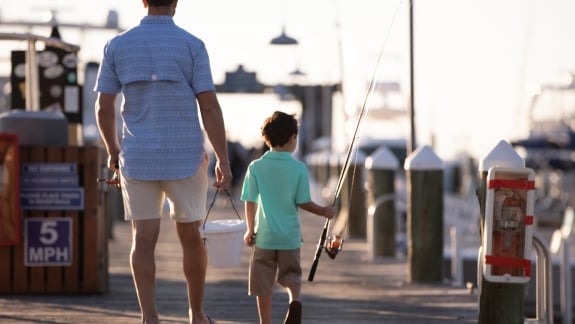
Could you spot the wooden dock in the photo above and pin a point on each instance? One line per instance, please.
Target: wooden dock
(347, 290)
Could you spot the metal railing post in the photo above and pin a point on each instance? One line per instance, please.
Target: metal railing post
(456, 259)
(544, 282)
(566, 301)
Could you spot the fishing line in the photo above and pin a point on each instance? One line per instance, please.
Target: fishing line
(363, 112)
(346, 164)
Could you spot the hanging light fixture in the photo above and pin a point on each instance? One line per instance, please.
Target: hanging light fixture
(283, 39)
(297, 72)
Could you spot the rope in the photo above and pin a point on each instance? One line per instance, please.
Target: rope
(212, 205)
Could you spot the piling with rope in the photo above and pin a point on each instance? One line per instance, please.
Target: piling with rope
(381, 167)
(424, 171)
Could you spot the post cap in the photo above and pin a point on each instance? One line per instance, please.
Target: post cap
(382, 159)
(502, 155)
(423, 158)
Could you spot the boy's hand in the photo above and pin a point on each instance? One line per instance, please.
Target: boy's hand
(250, 238)
(329, 211)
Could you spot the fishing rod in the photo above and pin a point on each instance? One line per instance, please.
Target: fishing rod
(335, 245)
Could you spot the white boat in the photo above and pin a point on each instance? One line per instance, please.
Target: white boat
(550, 149)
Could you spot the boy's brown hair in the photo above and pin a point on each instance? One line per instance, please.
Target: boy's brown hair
(160, 3)
(279, 128)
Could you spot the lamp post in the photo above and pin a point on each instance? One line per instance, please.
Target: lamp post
(412, 135)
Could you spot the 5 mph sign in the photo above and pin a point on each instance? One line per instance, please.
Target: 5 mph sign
(48, 241)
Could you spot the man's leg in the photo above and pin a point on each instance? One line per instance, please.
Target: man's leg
(195, 262)
(144, 238)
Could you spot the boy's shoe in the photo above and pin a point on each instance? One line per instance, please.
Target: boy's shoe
(293, 315)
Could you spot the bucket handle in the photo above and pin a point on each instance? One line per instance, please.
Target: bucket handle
(212, 205)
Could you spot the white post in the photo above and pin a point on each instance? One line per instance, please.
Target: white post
(32, 80)
(456, 260)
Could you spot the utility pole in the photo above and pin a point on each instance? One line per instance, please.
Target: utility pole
(411, 144)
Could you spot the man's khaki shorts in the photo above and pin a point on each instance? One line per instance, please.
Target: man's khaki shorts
(186, 197)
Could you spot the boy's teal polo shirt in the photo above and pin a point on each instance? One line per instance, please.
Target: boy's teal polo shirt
(277, 182)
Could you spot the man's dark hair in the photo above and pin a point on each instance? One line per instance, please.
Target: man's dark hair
(160, 3)
(279, 128)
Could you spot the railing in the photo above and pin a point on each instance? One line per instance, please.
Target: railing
(560, 245)
(544, 282)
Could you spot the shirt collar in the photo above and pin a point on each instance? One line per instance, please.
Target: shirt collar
(157, 20)
(277, 155)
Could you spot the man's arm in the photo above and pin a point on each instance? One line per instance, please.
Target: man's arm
(106, 120)
(213, 121)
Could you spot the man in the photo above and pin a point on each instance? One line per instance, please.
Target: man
(162, 71)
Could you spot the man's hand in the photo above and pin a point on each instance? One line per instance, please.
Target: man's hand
(223, 176)
(114, 165)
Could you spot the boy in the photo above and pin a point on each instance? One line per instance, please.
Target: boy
(274, 187)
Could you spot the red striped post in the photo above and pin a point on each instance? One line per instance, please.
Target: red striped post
(499, 303)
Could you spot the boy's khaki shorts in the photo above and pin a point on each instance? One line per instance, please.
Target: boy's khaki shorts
(266, 264)
(186, 197)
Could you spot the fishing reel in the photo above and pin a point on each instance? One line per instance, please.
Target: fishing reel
(333, 246)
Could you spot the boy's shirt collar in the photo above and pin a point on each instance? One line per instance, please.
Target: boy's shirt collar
(277, 155)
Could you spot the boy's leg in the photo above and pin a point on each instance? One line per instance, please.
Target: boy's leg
(289, 276)
(262, 274)
(294, 291)
(265, 309)
(293, 315)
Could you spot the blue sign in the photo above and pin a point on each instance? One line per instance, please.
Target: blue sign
(52, 198)
(48, 241)
(49, 167)
(49, 180)
(50, 174)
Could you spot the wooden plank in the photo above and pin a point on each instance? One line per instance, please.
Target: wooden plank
(9, 190)
(37, 273)
(20, 283)
(10, 202)
(89, 228)
(103, 223)
(54, 280)
(71, 273)
(5, 269)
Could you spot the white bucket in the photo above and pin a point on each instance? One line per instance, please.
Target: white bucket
(224, 241)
